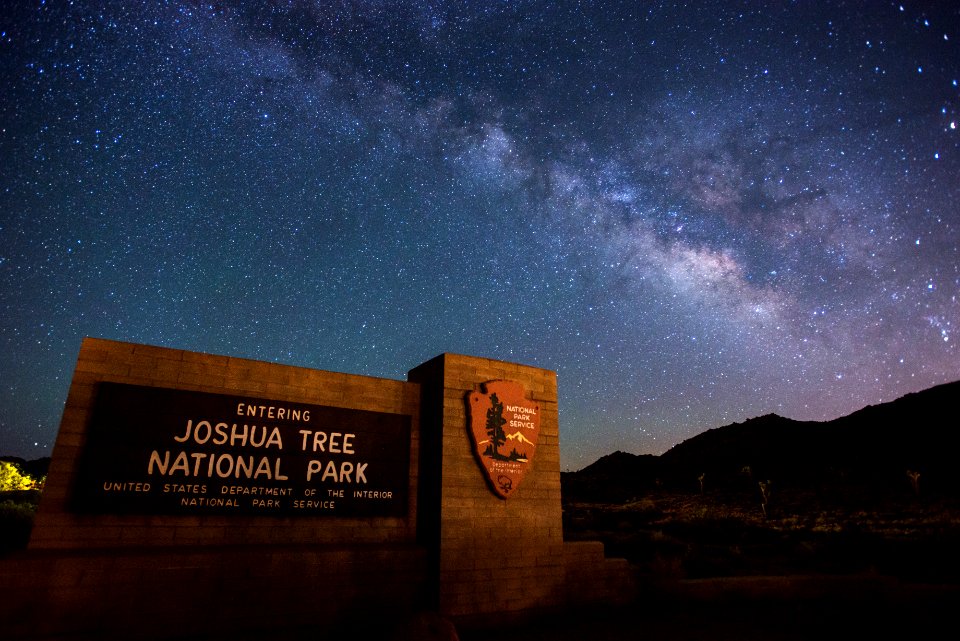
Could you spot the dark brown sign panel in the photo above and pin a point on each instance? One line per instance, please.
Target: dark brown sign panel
(505, 427)
(154, 450)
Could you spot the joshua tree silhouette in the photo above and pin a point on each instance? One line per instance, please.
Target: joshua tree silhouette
(914, 481)
(766, 488)
(495, 423)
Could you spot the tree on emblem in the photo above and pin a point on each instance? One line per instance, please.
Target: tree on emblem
(495, 423)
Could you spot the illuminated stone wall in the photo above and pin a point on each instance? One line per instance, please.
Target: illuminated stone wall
(101, 360)
(458, 549)
(492, 555)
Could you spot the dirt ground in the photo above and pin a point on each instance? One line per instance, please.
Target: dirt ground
(758, 609)
(796, 608)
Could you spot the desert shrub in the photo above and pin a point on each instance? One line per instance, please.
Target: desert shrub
(16, 522)
(711, 560)
(721, 530)
(12, 478)
(666, 568)
(643, 505)
(643, 547)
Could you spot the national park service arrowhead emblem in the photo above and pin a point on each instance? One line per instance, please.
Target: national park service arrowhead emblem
(505, 427)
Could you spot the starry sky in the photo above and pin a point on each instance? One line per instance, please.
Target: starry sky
(695, 213)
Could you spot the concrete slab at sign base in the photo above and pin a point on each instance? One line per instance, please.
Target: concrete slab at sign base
(233, 593)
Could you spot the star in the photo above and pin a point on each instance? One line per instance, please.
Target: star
(693, 215)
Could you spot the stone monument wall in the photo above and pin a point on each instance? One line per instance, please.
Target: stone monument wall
(193, 559)
(495, 556)
(57, 526)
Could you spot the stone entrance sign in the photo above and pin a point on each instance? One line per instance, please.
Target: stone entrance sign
(208, 496)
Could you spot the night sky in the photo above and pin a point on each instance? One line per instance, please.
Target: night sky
(693, 214)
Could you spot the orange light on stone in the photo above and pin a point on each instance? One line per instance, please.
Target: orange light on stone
(505, 427)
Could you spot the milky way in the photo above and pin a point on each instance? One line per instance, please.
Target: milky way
(694, 215)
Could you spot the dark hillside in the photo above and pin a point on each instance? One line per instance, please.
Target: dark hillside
(879, 446)
(618, 476)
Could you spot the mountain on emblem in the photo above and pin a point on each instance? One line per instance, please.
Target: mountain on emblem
(504, 455)
(520, 437)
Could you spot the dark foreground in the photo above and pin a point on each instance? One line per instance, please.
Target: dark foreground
(739, 609)
(756, 608)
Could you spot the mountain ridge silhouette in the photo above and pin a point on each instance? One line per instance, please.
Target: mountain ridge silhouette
(876, 445)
